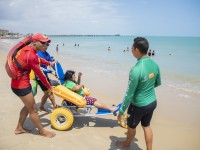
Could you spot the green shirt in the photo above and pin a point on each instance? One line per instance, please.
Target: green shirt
(70, 85)
(143, 78)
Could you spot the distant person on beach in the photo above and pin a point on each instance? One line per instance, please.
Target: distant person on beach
(22, 87)
(149, 52)
(56, 48)
(75, 44)
(153, 53)
(127, 48)
(63, 44)
(140, 98)
(75, 86)
(109, 49)
(45, 55)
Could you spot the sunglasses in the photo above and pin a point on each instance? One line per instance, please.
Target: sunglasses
(44, 43)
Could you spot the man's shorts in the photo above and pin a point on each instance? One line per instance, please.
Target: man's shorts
(143, 114)
(22, 92)
(42, 86)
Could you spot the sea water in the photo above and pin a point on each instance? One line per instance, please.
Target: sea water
(178, 58)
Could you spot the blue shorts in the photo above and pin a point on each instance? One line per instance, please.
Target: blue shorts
(22, 92)
(143, 114)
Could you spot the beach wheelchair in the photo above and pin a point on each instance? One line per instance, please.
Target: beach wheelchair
(62, 118)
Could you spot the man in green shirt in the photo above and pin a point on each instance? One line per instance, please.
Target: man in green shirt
(140, 98)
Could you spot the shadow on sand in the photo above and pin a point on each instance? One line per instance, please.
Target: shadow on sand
(114, 139)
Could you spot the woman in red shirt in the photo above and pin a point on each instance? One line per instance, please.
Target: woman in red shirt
(21, 86)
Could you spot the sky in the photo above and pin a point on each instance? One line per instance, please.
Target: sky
(104, 17)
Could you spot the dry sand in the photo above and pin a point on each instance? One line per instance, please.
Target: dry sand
(176, 123)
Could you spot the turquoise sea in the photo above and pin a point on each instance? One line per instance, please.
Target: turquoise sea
(178, 57)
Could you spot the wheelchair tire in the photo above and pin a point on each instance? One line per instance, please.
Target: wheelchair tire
(61, 119)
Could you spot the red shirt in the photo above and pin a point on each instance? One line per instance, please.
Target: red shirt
(29, 60)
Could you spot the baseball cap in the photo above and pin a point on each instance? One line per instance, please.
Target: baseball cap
(40, 37)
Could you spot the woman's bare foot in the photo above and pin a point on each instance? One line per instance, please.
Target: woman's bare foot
(46, 133)
(122, 144)
(21, 131)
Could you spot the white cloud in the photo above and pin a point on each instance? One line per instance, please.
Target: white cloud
(150, 17)
(60, 16)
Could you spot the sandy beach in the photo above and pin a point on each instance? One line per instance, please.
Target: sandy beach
(176, 122)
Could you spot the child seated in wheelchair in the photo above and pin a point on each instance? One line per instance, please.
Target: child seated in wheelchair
(75, 86)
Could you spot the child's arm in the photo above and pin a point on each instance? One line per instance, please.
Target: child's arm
(77, 87)
(79, 78)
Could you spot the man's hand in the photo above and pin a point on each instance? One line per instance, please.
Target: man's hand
(53, 63)
(54, 73)
(119, 118)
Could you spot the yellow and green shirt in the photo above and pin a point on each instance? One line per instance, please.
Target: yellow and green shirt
(143, 78)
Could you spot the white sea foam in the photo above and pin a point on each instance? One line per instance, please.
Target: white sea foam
(184, 96)
(183, 89)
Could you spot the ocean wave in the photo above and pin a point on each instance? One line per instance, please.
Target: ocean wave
(178, 87)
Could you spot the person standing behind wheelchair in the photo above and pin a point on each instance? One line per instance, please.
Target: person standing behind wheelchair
(45, 55)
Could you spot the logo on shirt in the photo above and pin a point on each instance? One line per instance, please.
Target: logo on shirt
(151, 75)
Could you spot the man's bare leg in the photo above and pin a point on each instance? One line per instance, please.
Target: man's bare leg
(148, 137)
(127, 143)
(43, 101)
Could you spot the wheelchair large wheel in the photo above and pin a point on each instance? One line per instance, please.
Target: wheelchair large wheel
(61, 119)
(123, 123)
